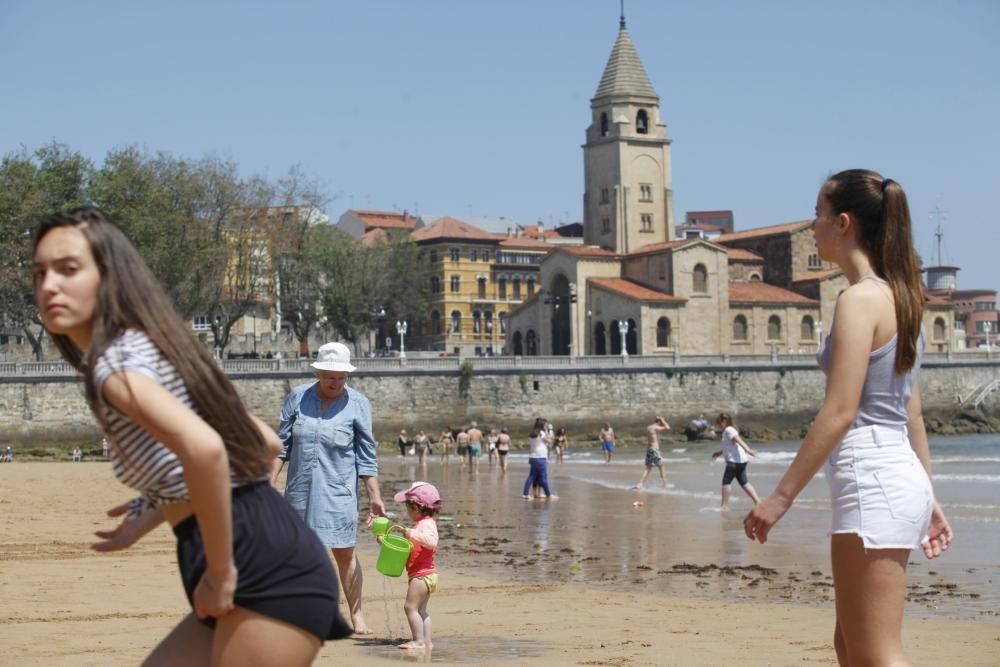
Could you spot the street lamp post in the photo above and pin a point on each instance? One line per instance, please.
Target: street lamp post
(401, 330)
(988, 329)
(623, 332)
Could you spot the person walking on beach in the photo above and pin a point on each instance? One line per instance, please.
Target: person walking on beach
(8, 455)
(447, 440)
(423, 445)
(475, 445)
(326, 430)
(491, 445)
(423, 502)
(607, 438)
(463, 445)
(561, 444)
(503, 448)
(184, 440)
(869, 432)
(653, 457)
(403, 443)
(538, 460)
(105, 447)
(736, 453)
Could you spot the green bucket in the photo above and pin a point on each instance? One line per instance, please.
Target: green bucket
(393, 555)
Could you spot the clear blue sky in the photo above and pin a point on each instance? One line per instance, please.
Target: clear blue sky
(479, 108)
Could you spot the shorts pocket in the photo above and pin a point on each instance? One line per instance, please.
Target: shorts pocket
(904, 491)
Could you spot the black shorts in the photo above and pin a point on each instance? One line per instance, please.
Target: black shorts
(284, 570)
(737, 471)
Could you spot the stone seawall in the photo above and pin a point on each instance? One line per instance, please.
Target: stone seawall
(779, 398)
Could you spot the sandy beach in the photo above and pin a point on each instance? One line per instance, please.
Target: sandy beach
(518, 585)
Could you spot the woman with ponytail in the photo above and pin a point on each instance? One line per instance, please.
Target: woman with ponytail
(261, 587)
(869, 434)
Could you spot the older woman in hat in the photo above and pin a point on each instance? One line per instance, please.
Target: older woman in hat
(326, 429)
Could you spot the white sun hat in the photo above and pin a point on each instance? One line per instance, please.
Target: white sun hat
(334, 357)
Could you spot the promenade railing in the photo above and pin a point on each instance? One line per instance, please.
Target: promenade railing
(12, 369)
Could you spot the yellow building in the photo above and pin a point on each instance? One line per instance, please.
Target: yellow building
(476, 278)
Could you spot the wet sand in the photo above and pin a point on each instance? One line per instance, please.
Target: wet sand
(574, 581)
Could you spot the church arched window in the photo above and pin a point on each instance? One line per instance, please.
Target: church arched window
(774, 328)
(740, 328)
(699, 279)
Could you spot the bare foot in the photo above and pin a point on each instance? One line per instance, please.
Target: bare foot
(526, 497)
(412, 646)
(360, 627)
(552, 497)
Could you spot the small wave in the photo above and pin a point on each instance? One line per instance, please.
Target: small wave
(964, 459)
(774, 457)
(967, 478)
(653, 489)
(679, 450)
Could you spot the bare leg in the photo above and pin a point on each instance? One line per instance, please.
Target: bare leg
(752, 493)
(244, 637)
(663, 477)
(352, 580)
(425, 615)
(189, 643)
(642, 480)
(871, 590)
(416, 600)
(727, 492)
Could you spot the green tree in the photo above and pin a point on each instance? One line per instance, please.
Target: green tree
(33, 186)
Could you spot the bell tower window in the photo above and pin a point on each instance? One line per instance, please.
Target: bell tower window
(604, 124)
(642, 122)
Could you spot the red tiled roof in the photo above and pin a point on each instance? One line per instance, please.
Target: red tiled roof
(764, 231)
(741, 255)
(373, 236)
(386, 219)
(815, 276)
(451, 228)
(657, 247)
(634, 290)
(537, 231)
(758, 292)
(589, 251)
(938, 301)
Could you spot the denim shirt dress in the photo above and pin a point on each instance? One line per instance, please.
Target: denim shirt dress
(326, 454)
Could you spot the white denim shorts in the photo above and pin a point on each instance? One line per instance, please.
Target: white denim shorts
(879, 490)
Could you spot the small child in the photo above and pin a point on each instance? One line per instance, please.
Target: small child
(423, 502)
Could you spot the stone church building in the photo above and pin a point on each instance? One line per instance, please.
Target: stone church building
(634, 285)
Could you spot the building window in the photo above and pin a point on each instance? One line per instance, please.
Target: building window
(939, 329)
(435, 285)
(454, 254)
(503, 323)
(502, 288)
(604, 124)
(486, 255)
(477, 322)
(646, 222)
(642, 122)
(517, 288)
(456, 322)
(774, 328)
(488, 323)
(434, 256)
(605, 226)
(645, 192)
(482, 288)
(814, 262)
(531, 286)
(200, 323)
(699, 279)
(435, 322)
(605, 196)
(531, 343)
(663, 332)
(807, 331)
(740, 328)
(472, 255)
(456, 283)
(755, 277)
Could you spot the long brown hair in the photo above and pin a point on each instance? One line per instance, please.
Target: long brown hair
(130, 297)
(884, 232)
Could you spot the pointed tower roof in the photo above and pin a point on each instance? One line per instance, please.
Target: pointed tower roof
(624, 74)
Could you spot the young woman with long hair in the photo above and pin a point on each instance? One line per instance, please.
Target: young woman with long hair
(869, 432)
(260, 584)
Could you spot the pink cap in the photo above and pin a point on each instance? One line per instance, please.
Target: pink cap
(421, 493)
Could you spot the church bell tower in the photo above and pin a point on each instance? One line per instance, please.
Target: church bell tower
(628, 200)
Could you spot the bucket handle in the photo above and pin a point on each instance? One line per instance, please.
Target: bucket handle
(395, 525)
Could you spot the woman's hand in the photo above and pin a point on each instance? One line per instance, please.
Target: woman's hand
(939, 534)
(763, 516)
(129, 531)
(213, 596)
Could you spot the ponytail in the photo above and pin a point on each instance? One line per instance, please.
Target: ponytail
(885, 233)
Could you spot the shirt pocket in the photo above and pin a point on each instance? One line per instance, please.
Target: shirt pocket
(343, 435)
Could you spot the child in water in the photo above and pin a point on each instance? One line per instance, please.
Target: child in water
(423, 502)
